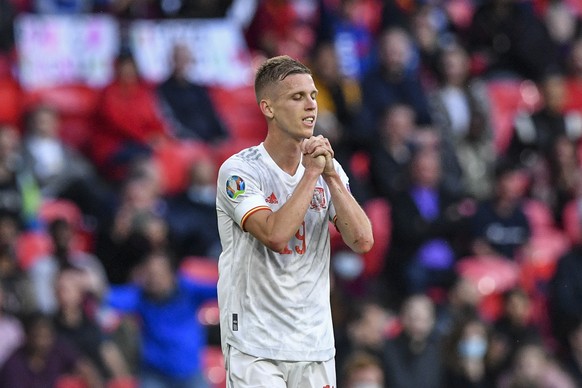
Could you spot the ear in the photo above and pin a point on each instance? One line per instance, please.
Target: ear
(266, 108)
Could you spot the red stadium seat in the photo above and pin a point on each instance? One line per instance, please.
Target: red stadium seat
(540, 216)
(50, 210)
(240, 112)
(10, 102)
(507, 97)
(70, 381)
(76, 105)
(31, 246)
(213, 367)
(122, 382)
(492, 276)
(571, 221)
(378, 210)
(199, 268)
(175, 160)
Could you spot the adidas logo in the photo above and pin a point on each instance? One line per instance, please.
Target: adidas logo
(272, 199)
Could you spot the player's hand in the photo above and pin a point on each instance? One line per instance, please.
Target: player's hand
(318, 147)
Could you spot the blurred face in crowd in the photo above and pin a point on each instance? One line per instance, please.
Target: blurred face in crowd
(127, 71)
(9, 143)
(455, 65)
(418, 317)
(69, 290)
(45, 122)
(518, 308)
(510, 185)
(473, 341)
(326, 64)
(576, 56)
(530, 364)
(158, 275)
(398, 124)
(554, 90)
(395, 51)
(41, 337)
(182, 58)
(426, 168)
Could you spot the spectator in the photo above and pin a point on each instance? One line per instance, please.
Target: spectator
(19, 298)
(508, 39)
(11, 330)
(172, 337)
(536, 134)
(129, 121)
(178, 95)
(393, 81)
(284, 27)
(465, 354)
(500, 226)
(191, 215)
(571, 357)
(74, 324)
(462, 303)
(19, 192)
(461, 111)
(366, 331)
(565, 293)
(512, 329)
(137, 224)
(45, 269)
(60, 171)
(413, 358)
(533, 367)
(392, 151)
(426, 220)
(345, 27)
(574, 77)
(363, 370)
(44, 358)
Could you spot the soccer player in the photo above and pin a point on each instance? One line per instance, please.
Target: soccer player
(274, 202)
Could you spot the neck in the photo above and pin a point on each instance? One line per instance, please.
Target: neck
(285, 152)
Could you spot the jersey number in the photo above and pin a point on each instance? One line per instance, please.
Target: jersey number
(298, 242)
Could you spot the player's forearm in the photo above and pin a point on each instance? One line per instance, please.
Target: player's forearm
(352, 222)
(283, 224)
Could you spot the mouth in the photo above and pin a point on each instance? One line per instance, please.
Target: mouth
(310, 120)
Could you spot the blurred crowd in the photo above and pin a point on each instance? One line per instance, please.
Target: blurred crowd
(459, 123)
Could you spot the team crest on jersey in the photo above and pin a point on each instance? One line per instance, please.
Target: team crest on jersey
(318, 201)
(235, 186)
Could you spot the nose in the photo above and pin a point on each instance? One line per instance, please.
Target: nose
(311, 104)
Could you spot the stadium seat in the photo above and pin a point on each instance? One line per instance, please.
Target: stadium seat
(10, 102)
(378, 210)
(175, 160)
(492, 276)
(571, 221)
(31, 246)
(53, 209)
(200, 268)
(213, 367)
(540, 216)
(69, 381)
(238, 109)
(507, 97)
(76, 105)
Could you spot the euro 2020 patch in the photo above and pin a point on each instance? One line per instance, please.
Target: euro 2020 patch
(235, 186)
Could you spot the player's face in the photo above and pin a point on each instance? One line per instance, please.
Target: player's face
(294, 107)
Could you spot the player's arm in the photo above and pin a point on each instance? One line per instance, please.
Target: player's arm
(351, 220)
(276, 229)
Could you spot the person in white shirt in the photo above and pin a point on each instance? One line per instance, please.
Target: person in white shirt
(274, 202)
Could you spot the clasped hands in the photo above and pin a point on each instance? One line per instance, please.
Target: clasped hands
(318, 154)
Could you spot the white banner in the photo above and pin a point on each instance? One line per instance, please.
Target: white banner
(55, 50)
(218, 47)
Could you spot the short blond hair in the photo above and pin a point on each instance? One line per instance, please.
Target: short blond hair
(276, 69)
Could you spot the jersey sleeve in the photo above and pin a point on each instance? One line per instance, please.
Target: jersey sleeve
(345, 181)
(239, 191)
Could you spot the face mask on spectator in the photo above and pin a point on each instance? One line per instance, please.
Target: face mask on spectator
(473, 347)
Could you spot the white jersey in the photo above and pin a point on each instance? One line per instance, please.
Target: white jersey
(273, 305)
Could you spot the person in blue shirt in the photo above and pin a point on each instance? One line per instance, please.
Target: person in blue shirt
(172, 338)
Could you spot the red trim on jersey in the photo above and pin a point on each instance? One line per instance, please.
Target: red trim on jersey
(251, 212)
